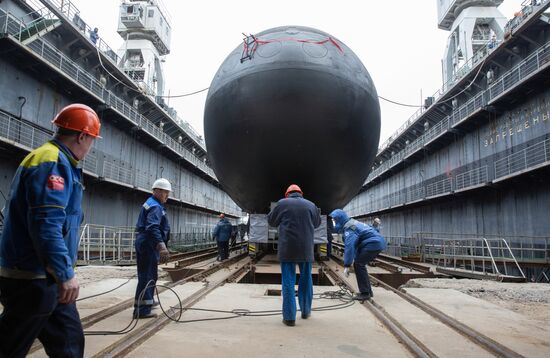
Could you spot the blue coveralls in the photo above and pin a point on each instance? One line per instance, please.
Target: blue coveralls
(296, 219)
(222, 233)
(38, 250)
(94, 36)
(362, 244)
(152, 228)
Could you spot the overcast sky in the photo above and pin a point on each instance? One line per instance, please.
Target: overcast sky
(398, 42)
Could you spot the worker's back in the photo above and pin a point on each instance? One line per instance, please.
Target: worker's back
(296, 219)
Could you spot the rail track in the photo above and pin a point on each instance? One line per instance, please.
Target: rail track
(241, 260)
(421, 345)
(437, 335)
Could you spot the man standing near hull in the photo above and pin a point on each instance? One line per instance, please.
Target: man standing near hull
(296, 218)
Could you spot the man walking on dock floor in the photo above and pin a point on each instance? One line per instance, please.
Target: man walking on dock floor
(222, 234)
(39, 243)
(296, 219)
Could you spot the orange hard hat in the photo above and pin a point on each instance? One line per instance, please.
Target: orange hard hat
(293, 188)
(222, 215)
(80, 118)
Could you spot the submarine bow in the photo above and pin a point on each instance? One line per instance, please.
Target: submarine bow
(292, 105)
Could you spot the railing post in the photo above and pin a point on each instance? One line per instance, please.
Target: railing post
(546, 250)
(89, 242)
(513, 257)
(492, 258)
(20, 30)
(103, 257)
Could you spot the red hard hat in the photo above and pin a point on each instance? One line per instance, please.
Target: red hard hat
(78, 117)
(293, 188)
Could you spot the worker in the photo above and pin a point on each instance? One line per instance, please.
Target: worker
(39, 243)
(376, 224)
(152, 235)
(492, 43)
(94, 35)
(296, 219)
(222, 234)
(362, 243)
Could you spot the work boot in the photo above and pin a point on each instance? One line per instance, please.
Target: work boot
(146, 315)
(289, 322)
(362, 296)
(306, 315)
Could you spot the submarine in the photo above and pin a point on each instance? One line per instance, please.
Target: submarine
(291, 105)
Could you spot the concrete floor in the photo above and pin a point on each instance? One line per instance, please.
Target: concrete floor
(352, 331)
(513, 330)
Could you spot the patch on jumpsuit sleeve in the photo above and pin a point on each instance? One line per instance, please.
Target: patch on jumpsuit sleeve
(55, 182)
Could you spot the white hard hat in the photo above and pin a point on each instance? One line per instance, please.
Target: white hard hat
(162, 184)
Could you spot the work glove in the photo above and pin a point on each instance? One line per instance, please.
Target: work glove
(346, 271)
(163, 251)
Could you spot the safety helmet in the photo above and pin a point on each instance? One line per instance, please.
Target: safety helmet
(162, 184)
(80, 118)
(377, 221)
(222, 215)
(293, 188)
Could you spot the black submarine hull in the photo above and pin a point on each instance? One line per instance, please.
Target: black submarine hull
(306, 113)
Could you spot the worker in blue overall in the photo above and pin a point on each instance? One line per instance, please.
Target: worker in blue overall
(153, 233)
(39, 243)
(296, 219)
(222, 234)
(362, 243)
(377, 224)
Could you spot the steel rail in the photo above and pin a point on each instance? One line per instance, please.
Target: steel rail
(183, 255)
(387, 266)
(401, 262)
(139, 335)
(477, 337)
(92, 319)
(411, 343)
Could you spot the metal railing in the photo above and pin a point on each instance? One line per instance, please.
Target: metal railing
(482, 254)
(506, 82)
(524, 159)
(439, 187)
(29, 137)
(532, 157)
(521, 71)
(489, 254)
(402, 246)
(22, 134)
(73, 14)
(43, 22)
(12, 26)
(116, 245)
(194, 238)
(105, 244)
(471, 178)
